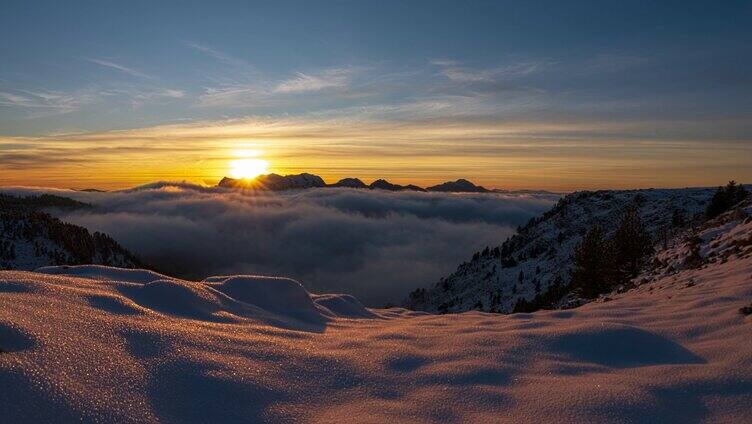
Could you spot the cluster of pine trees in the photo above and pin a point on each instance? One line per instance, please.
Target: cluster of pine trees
(546, 300)
(601, 262)
(7, 250)
(725, 198)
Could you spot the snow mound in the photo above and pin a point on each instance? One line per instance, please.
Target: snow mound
(114, 305)
(101, 272)
(620, 346)
(281, 296)
(13, 338)
(178, 298)
(277, 301)
(343, 305)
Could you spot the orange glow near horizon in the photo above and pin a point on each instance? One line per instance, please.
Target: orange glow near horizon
(496, 155)
(248, 168)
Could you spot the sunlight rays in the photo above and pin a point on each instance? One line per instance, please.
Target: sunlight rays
(248, 168)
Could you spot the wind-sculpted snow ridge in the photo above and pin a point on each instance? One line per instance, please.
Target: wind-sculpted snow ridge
(99, 344)
(277, 301)
(539, 256)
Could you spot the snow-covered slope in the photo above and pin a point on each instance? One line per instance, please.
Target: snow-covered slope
(704, 245)
(539, 256)
(30, 237)
(98, 344)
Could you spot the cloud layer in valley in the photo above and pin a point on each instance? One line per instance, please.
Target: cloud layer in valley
(375, 245)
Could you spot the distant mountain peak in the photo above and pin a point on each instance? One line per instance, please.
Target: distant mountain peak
(350, 182)
(276, 182)
(459, 186)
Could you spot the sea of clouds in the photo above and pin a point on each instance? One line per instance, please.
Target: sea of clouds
(376, 245)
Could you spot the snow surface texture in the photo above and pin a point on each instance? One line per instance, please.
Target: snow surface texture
(103, 344)
(532, 260)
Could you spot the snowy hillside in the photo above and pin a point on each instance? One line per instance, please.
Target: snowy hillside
(715, 241)
(100, 344)
(30, 237)
(540, 255)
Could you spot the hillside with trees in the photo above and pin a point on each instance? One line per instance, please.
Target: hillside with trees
(589, 244)
(31, 237)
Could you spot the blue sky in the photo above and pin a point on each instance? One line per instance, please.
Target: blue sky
(671, 72)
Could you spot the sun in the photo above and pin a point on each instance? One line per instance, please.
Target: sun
(248, 168)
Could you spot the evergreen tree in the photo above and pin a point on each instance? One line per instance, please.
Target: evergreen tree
(547, 300)
(592, 264)
(725, 198)
(522, 305)
(718, 204)
(631, 246)
(677, 218)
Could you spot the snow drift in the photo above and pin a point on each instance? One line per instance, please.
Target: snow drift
(277, 301)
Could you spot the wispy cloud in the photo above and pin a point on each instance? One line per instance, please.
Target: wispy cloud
(444, 62)
(455, 72)
(263, 90)
(10, 99)
(302, 82)
(235, 94)
(139, 99)
(121, 68)
(44, 103)
(466, 75)
(38, 102)
(216, 54)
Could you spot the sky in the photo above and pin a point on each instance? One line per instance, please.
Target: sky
(551, 95)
